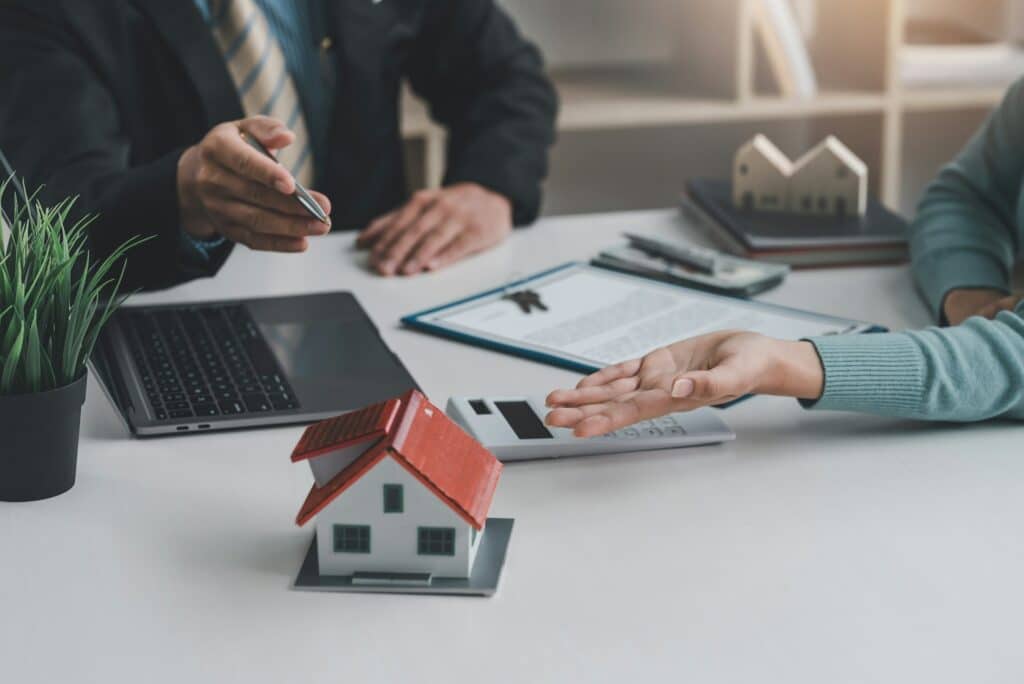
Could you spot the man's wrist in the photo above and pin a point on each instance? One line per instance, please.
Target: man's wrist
(193, 219)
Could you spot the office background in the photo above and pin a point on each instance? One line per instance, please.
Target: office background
(656, 91)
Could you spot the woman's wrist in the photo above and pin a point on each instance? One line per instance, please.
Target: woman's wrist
(796, 371)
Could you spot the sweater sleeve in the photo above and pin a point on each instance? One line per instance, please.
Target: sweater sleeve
(971, 372)
(965, 233)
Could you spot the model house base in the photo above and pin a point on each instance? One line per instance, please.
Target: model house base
(490, 560)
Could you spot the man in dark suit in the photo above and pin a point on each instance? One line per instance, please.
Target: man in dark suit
(139, 107)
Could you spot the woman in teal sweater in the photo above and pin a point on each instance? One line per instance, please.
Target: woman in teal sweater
(965, 242)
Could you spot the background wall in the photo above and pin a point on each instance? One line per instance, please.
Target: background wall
(657, 91)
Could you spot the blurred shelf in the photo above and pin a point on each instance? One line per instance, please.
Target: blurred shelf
(923, 99)
(618, 99)
(630, 98)
(716, 70)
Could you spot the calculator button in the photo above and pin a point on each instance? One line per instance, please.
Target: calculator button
(675, 431)
(652, 432)
(629, 432)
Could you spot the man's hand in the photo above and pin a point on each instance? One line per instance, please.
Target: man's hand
(964, 303)
(436, 228)
(708, 370)
(225, 187)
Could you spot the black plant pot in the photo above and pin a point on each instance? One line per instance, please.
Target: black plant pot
(39, 442)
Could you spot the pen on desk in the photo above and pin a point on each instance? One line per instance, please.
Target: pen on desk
(701, 263)
(301, 194)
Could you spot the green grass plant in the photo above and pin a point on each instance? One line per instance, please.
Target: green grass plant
(54, 296)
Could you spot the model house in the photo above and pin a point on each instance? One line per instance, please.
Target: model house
(829, 180)
(400, 491)
(761, 176)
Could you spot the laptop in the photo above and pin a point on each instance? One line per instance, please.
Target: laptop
(187, 368)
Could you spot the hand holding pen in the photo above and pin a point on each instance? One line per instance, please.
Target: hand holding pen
(230, 185)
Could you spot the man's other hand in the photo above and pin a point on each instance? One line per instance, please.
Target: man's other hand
(227, 188)
(436, 228)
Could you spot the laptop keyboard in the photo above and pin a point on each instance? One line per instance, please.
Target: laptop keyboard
(205, 361)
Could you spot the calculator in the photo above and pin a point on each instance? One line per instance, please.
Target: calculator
(513, 429)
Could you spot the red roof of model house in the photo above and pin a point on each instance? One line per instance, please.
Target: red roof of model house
(436, 451)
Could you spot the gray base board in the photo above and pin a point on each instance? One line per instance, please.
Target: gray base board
(490, 559)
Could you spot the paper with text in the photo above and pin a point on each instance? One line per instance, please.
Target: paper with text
(598, 317)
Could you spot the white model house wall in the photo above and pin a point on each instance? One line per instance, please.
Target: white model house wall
(393, 536)
(761, 176)
(829, 181)
(326, 466)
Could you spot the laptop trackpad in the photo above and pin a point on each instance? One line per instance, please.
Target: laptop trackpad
(328, 360)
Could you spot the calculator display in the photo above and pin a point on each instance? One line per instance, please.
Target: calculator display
(522, 419)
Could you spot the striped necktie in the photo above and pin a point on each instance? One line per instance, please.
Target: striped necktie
(258, 68)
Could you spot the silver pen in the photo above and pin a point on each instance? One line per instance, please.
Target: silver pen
(695, 260)
(301, 194)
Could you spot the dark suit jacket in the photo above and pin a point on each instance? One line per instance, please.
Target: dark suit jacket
(98, 98)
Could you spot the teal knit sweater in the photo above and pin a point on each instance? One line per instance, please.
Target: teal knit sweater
(968, 233)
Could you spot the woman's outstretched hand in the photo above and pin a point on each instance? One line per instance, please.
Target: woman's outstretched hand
(702, 371)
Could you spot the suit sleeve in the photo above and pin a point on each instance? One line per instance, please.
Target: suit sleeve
(486, 84)
(61, 129)
(965, 235)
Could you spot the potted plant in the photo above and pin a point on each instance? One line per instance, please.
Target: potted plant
(53, 302)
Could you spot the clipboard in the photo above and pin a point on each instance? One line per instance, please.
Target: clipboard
(571, 336)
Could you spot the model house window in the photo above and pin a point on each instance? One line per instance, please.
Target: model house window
(394, 500)
(352, 539)
(436, 541)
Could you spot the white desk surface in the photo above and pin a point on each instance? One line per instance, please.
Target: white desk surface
(816, 548)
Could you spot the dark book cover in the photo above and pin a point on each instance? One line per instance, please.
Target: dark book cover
(759, 231)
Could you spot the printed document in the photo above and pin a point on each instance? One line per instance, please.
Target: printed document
(599, 317)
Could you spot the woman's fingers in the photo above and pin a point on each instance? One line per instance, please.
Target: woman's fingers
(1005, 304)
(610, 373)
(719, 385)
(616, 415)
(611, 409)
(569, 416)
(593, 394)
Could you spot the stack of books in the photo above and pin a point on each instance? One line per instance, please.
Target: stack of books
(880, 236)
